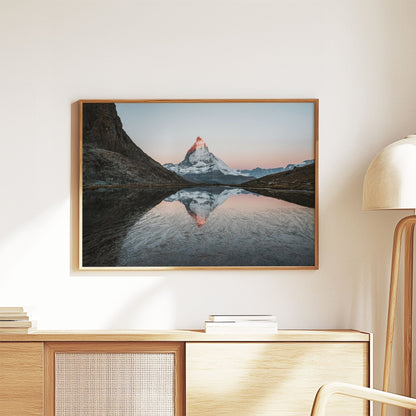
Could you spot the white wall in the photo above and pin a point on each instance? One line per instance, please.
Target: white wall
(358, 57)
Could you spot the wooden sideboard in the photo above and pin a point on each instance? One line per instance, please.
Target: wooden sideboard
(244, 375)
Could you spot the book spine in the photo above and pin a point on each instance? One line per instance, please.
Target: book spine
(12, 317)
(14, 330)
(11, 309)
(15, 324)
(240, 330)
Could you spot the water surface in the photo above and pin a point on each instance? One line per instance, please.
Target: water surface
(216, 226)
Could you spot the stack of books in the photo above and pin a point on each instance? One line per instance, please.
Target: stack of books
(14, 320)
(241, 324)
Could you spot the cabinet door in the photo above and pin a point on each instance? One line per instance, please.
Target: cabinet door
(21, 378)
(272, 378)
(114, 378)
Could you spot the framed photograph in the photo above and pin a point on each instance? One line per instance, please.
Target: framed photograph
(198, 184)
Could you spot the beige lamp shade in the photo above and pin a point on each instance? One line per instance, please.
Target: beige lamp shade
(390, 181)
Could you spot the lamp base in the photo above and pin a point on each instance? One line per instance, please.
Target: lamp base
(405, 226)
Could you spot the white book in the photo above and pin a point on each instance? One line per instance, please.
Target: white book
(242, 324)
(240, 330)
(236, 318)
(244, 327)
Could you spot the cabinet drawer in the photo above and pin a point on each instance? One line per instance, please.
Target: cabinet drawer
(272, 378)
(21, 378)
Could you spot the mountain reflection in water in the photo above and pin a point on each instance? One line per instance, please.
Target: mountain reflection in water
(240, 228)
(200, 202)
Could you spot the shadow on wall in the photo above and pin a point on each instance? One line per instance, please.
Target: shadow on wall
(36, 166)
(227, 392)
(173, 292)
(252, 371)
(369, 263)
(365, 256)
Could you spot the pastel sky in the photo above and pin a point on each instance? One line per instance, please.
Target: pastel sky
(243, 135)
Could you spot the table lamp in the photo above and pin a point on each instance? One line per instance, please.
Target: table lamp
(390, 183)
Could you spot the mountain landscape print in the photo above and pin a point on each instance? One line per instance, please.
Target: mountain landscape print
(198, 184)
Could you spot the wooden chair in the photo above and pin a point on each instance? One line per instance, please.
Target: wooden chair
(327, 390)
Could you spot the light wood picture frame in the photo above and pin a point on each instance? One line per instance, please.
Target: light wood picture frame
(198, 184)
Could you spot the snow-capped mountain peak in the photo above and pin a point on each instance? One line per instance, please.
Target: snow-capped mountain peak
(199, 144)
(202, 166)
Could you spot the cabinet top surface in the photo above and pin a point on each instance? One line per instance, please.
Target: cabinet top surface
(189, 336)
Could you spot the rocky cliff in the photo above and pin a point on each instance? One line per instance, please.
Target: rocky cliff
(296, 185)
(299, 178)
(111, 158)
